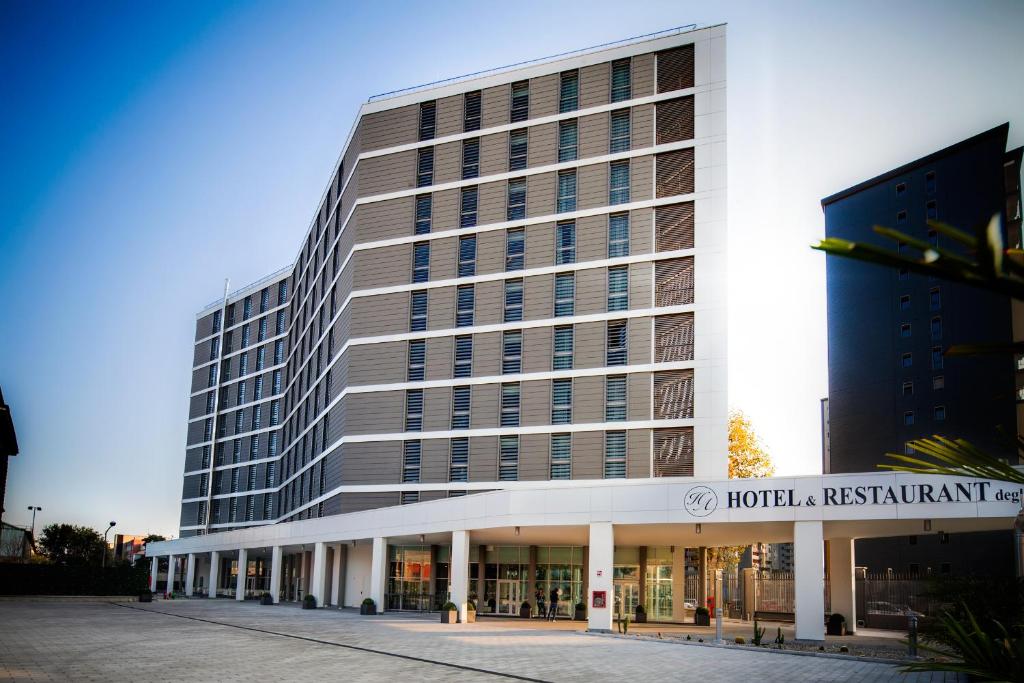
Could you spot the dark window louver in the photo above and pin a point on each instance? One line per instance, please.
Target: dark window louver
(674, 173)
(425, 167)
(621, 80)
(675, 120)
(423, 212)
(520, 101)
(471, 112)
(569, 91)
(675, 69)
(470, 158)
(673, 227)
(517, 149)
(428, 120)
(673, 452)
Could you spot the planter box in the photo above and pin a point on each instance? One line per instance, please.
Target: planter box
(368, 610)
(580, 615)
(266, 600)
(471, 616)
(145, 597)
(525, 611)
(835, 629)
(307, 605)
(449, 617)
(702, 620)
(640, 617)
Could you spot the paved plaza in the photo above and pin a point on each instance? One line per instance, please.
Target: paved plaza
(221, 640)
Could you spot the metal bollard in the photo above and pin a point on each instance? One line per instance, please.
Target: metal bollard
(912, 635)
(718, 625)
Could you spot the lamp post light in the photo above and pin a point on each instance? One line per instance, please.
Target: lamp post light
(34, 509)
(103, 563)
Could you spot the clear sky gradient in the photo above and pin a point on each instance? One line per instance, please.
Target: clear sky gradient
(151, 150)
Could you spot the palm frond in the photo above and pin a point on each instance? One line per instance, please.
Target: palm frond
(952, 457)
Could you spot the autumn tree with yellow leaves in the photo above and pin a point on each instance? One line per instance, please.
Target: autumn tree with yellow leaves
(747, 456)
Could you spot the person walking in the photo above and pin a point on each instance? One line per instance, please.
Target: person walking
(553, 603)
(539, 597)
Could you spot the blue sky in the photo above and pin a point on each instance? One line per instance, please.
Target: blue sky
(153, 150)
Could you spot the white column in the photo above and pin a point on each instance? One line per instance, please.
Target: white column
(842, 581)
(190, 574)
(319, 587)
(809, 580)
(243, 569)
(171, 561)
(153, 571)
(602, 560)
(214, 573)
(458, 572)
(336, 575)
(275, 574)
(378, 566)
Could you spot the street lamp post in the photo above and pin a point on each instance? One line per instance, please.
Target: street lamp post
(104, 561)
(34, 509)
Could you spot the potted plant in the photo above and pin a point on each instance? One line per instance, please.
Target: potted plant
(146, 596)
(309, 602)
(449, 613)
(369, 607)
(470, 612)
(581, 612)
(836, 625)
(266, 599)
(641, 614)
(525, 610)
(701, 617)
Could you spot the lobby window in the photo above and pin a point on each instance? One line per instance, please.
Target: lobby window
(618, 288)
(470, 158)
(561, 401)
(247, 308)
(568, 91)
(936, 329)
(264, 300)
(565, 243)
(905, 330)
(931, 210)
(471, 111)
(561, 456)
(516, 207)
(934, 299)
(568, 140)
(929, 182)
(520, 110)
(467, 207)
(423, 211)
(939, 413)
(907, 360)
(428, 120)
(562, 348)
(908, 388)
(413, 410)
(518, 147)
(463, 356)
(510, 405)
(417, 311)
(615, 455)
(938, 382)
(905, 302)
(515, 249)
(936, 358)
(411, 455)
(417, 360)
(467, 256)
(620, 131)
(513, 301)
(615, 398)
(465, 305)
(618, 189)
(565, 294)
(621, 80)
(566, 191)
(461, 397)
(616, 344)
(618, 235)
(458, 467)
(508, 458)
(511, 352)
(421, 262)
(425, 167)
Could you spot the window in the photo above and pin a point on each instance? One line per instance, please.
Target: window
(938, 382)
(254, 450)
(673, 173)
(470, 158)
(565, 294)
(936, 358)
(280, 323)
(517, 149)
(934, 299)
(905, 302)
(463, 356)
(908, 388)
(247, 308)
(277, 381)
(261, 334)
(929, 182)
(428, 120)
(561, 401)
(568, 140)
(275, 412)
(278, 352)
(465, 303)
(908, 418)
(460, 407)
(621, 80)
(459, 465)
(619, 138)
(520, 102)
(618, 235)
(245, 336)
(904, 274)
(423, 211)
(933, 238)
(614, 455)
(264, 300)
(618, 288)
(216, 321)
(421, 262)
(901, 189)
(615, 398)
(618, 189)
(235, 476)
(417, 360)
(257, 413)
(675, 120)
(936, 329)
(901, 218)
(214, 348)
(568, 91)
(257, 393)
(566, 191)
(413, 410)
(510, 405)
(513, 300)
(211, 398)
(565, 243)
(931, 210)
(561, 456)
(511, 352)
(515, 249)
(411, 455)
(417, 311)
(516, 209)
(467, 256)
(231, 315)
(508, 458)
(282, 292)
(241, 393)
(208, 430)
(471, 111)
(616, 349)
(907, 360)
(939, 413)
(563, 348)
(905, 330)
(467, 207)
(425, 167)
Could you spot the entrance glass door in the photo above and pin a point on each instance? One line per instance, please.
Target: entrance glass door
(508, 597)
(627, 596)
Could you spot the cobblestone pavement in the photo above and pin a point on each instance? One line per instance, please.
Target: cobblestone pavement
(221, 640)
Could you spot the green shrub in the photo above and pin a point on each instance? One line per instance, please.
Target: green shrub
(368, 602)
(309, 600)
(980, 655)
(449, 607)
(56, 579)
(702, 611)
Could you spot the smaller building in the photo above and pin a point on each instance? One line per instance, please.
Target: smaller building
(16, 543)
(129, 548)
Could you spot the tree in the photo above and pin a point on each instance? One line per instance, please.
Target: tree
(747, 457)
(71, 545)
(153, 538)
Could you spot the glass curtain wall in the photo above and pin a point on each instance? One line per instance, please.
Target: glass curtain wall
(409, 585)
(559, 567)
(658, 600)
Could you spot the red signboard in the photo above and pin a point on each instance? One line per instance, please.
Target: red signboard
(599, 600)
